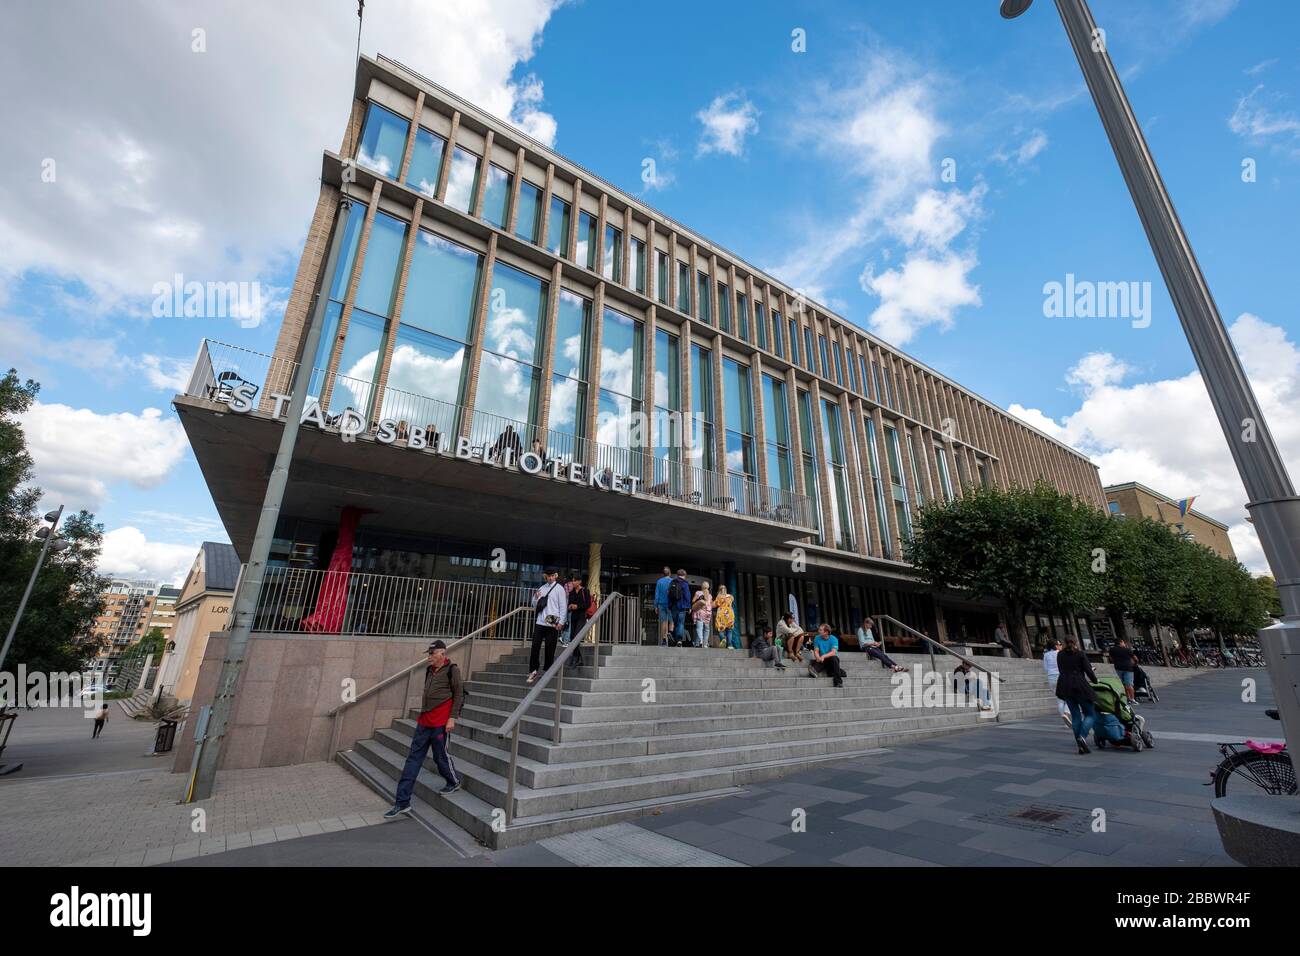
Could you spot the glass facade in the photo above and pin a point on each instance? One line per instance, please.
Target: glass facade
(528, 219)
(383, 141)
(638, 265)
(841, 523)
(661, 277)
(760, 323)
(462, 181)
(704, 300)
(878, 488)
(776, 425)
(668, 436)
(426, 162)
(684, 288)
(567, 419)
(738, 411)
(809, 356)
(945, 480)
(612, 255)
(724, 307)
(898, 483)
(778, 334)
(618, 404)
(808, 441)
(702, 405)
(512, 343)
(496, 195)
(557, 229)
(587, 247)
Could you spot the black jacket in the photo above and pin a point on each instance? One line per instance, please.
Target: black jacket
(1076, 676)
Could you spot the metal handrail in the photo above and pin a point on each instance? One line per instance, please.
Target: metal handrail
(337, 712)
(511, 723)
(932, 643)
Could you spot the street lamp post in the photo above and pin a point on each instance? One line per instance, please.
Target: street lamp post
(1273, 504)
(52, 543)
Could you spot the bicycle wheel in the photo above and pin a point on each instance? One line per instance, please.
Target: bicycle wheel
(1272, 773)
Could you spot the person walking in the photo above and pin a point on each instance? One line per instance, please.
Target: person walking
(725, 619)
(552, 612)
(679, 598)
(868, 644)
(766, 650)
(791, 635)
(826, 656)
(1074, 686)
(440, 705)
(1054, 674)
(579, 599)
(1000, 638)
(662, 609)
(702, 613)
(101, 718)
(1122, 656)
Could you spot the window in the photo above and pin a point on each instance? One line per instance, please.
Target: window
(865, 374)
(383, 141)
(528, 220)
(742, 315)
(982, 467)
(963, 477)
(511, 347)
(810, 357)
(760, 321)
(612, 255)
(881, 398)
(684, 288)
(568, 409)
(704, 299)
(702, 405)
(586, 254)
(898, 483)
(661, 276)
(794, 342)
(436, 326)
(945, 480)
(776, 425)
(882, 515)
(900, 391)
(557, 229)
(912, 457)
(426, 162)
(778, 334)
(638, 265)
(852, 369)
(618, 403)
(668, 437)
(338, 289)
(839, 365)
(834, 461)
(738, 411)
(363, 347)
(808, 442)
(1114, 507)
(462, 182)
(724, 307)
(496, 195)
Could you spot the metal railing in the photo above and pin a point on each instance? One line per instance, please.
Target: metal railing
(306, 601)
(598, 626)
(221, 369)
(932, 644)
(499, 623)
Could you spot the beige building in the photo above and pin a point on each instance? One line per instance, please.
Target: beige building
(1133, 500)
(202, 608)
(128, 609)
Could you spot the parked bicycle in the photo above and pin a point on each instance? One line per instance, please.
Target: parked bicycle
(1267, 765)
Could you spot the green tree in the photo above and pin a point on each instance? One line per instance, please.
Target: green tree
(66, 597)
(1143, 566)
(1027, 547)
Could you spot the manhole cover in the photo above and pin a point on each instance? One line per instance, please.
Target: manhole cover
(1044, 819)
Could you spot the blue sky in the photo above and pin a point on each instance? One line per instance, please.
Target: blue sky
(822, 166)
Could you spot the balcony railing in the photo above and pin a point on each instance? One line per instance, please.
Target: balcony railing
(221, 370)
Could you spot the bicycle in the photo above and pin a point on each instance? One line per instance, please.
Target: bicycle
(1269, 769)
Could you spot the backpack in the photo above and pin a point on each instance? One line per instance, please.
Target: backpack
(591, 604)
(676, 592)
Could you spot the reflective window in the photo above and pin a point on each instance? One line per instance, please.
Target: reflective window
(381, 268)
(834, 461)
(516, 310)
(898, 482)
(661, 276)
(496, 195)
(557, 230)
(684, 288)
(778, 334)
(568, 408)
(809, 357)
(724, 307)
(776, 424)
(826, 365)
(811, 477)
(760, 321)
(442, 289)
(738, 413)
(878, 486)
(462, 182)
(528, 221)
(667, 425)
(794, 342)
(945, 479)
(383, 141)
(355, 218)
(638, 265)
(612, 255)
(363, 350)
(704, 299)
(702, 405)
(426, 162)
(586, 254)
(619, 399)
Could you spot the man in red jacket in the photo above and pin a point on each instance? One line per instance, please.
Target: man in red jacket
(439, 708)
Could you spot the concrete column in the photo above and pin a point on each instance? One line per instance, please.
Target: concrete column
(651, 262)
(602, 217)
(593, 569)
(445, 172)
(485, 170)
(548, 192)
(516, 185)
(474, 357)
(575, 214)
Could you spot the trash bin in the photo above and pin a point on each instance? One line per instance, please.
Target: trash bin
(166, 736)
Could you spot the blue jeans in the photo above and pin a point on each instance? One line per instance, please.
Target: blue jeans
(679, 624)
(1082, 717)
(425, 737)
(1108, 727)
(701, 633)
(729, 637)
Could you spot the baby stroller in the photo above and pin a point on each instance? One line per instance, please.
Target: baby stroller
(1143, 689)
(1117, 722)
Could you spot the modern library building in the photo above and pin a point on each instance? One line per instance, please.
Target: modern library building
(521, 365)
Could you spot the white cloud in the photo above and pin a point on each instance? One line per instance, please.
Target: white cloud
(79, 454)
(127, 553)
(1165, 434)
(136, 152)
(1198, 12)
(1026, 151)
(1254, 119)
(727, 121)
(926, 290)
(168, 374)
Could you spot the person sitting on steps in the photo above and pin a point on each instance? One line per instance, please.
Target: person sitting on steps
(826, 656)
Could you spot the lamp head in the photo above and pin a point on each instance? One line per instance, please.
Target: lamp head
(1011, 9)
(51, 515)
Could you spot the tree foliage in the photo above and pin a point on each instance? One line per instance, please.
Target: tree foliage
(66, 597)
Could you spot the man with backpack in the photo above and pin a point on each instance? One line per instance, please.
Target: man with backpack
(440, 705)
(679, 599)
(663, 609)
(552, 612)
(579, 611)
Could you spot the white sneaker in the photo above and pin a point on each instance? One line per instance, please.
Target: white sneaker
(532, 678)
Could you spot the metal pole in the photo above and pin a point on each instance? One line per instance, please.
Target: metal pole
(250, 584)
(31, 583)
(1273, 504)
